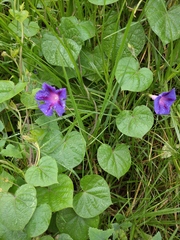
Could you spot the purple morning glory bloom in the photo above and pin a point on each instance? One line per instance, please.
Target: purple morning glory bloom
(54, 99)
(163, 102)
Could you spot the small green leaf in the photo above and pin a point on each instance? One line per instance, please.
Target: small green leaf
(60, 52)
(58, 196)
(157, 236)
(30, 28)
(16, 211)
(11, 151)
(98, 234)
(116, 162)
(95, 197)
(64, 236)
(9, 90)
(72, 150)
(40, 221)
(44, 174)
(6, 181)
(29, 100)
(1, 126)
(130, 77)
(69, 222)
(102, 2)
(135, 123)
(164, 23)
(20, 16)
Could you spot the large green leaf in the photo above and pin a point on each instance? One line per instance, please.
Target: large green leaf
(16, 211)
(135, 123)
(131, 77)
(113, 37)
(6, 234)
(164, 23)
(44, 174)
(71, 28)
(114, 161)
(9, 90)
(95, 197)
(58, 196)
(102, 2)
(60, 51)
(72, 150)
(40, 220)
(69, 222)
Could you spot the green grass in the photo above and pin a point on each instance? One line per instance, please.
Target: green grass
(147, 196)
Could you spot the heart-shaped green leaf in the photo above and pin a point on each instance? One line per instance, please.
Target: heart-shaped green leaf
(30, 28)
(72, 150)
(39, 221)
(59, 195)
(164, 23)
(9, 90)
(113, 37)
(44, 174)
(69, 222)
(60, 52)
(16, 211)
(116, 162)
(71, 28)
(95, 197)
(135, 123)
(20, 16)
(11, 151)
(131, 77)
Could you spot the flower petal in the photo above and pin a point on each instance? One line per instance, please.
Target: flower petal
(61, 93)
(46, 109)
(60, 107)
(163, 102)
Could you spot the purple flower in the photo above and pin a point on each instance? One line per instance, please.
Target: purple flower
(54, 99)
(163, 102)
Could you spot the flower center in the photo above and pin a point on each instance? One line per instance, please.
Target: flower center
(54, 98)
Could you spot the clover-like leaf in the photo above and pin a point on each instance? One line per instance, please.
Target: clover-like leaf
(135, 123)
(44, 174)
(77, 227)
(164, 23)
(114, 161)
(16, 210)
(131, 77)
(95, 197)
